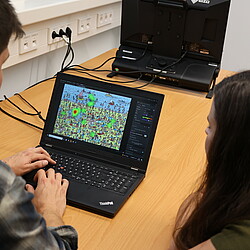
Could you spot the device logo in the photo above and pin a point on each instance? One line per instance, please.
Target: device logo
(200, 1)
(106, 203)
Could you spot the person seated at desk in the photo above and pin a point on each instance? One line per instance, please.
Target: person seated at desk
(217, 215)
(30, 220)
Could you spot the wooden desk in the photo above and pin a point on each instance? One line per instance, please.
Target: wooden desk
(177, 160)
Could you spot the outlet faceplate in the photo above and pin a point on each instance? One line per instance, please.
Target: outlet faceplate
(28, 43)
(84, 25)
(56, 29)
(104, 18)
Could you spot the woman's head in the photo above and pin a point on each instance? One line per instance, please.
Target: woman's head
(211, 128)
(223, 195)
(230, 121)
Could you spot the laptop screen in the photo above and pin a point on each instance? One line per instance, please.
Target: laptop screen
(106, 120)
(92, 116)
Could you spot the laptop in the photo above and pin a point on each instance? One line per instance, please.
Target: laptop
(100, 135)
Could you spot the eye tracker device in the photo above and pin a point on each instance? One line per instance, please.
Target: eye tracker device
(174, 42)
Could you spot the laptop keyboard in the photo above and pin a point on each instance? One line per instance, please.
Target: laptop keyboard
(93, 174)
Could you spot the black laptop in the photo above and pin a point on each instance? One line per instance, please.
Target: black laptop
(100, 135)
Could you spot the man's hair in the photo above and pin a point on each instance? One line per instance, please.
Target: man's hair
(223, 196)
(9, 24)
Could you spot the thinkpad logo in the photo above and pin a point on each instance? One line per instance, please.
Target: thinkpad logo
(200, 1)
(106, 203)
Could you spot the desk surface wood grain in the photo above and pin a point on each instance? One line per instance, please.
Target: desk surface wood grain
(176, 163)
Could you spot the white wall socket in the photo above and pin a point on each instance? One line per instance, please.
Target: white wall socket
(56, 29)
(86, 24)
(28, 43)
(104, 18)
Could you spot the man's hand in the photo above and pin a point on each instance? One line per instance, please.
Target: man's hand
(25, 161)
(50, 196)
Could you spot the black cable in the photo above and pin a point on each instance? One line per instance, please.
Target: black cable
(65, 57)
(103, 79)
(166, 67)
(170, 65)
(38, 113)
(143, 54)
(18, 119)
(146, 84)
(94, 69)
(114, 57)
(72, 56)
(68, 34)
(74, 67)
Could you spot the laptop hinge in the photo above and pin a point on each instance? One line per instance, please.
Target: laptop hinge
(93, 158)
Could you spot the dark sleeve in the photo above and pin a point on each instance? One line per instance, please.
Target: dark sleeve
(67, 234)
(21, 226)
(233, 236)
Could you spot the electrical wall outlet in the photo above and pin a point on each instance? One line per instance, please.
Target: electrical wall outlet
(28, 43)
(56, 29)
(104, 18)
(85, 24)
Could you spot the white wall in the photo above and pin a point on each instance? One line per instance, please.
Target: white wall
(236, 56)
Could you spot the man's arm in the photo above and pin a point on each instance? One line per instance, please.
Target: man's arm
(21, 225)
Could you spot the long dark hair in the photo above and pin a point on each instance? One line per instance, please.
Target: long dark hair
(223, 196)
(9, 24)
